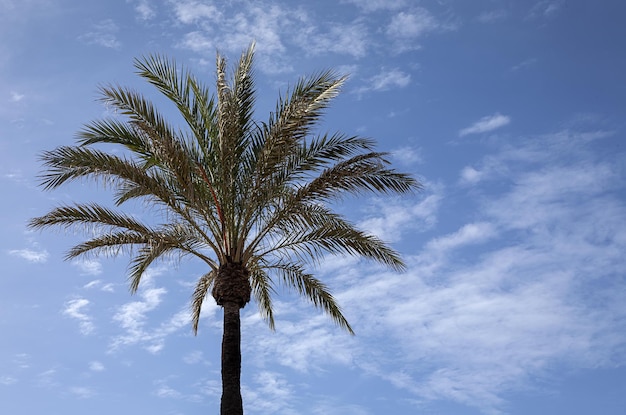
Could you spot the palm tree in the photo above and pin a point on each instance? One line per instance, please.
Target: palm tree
(250, 199)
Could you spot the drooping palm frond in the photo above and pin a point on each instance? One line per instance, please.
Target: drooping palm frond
(293, 276)
(203, 287)
(262, 290)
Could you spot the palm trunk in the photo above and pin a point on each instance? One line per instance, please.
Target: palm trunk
(232, 291)
(231, 362)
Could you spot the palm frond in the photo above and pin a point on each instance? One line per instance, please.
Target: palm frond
(314, 230)
(293, 276)
(110, 244)
(203, 287)
(363, 173)
(262, 291)
(88, 215)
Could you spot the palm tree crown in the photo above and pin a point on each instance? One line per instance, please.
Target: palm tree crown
(250, 199)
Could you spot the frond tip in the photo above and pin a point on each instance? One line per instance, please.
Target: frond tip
(203, 287)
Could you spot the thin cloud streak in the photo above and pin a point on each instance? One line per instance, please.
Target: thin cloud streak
(486, 124)
(37, 257)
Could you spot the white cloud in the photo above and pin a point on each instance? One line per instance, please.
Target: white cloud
(16, 96)
(193, 358)
(7, 380)
(165, 391)
(88, 266)
(546, 8)
(82, 392)
(349, 39)
(47, 379)
(144, 9)
(407, 155)
(318, 342)
(265, 25)
(31, 255)
(92, 284)
(96, 366)
(468, 234)
(524, 64)
(188, 12)
(99, 284)
(486, 124)
(375, 5)
(102, 34)
(412, 24)
(271, 394)
(133, 318)
(470, 175)
(198, 42)
(492, 16)
(385, 80)
(391, 220)
(75, 309)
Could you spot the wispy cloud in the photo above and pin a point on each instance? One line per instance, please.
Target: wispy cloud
(194, 357)
(546, 8)
(47, 378)
(469, 175)
(385, 80)
(478, 315)
(75, 309)
(191, 11)
(524, 64)
(407, 27)
(31, 255)
(347, 39)
(144, 9)
(375, 5)
(133, 318)
(391, 220)
(102, 34)
(491, 16)
(469, 234)
(407, 155)
(98, 284)
(411, 24)
(266, 25)
(88, 266)
(486, 124)
(82, 392)
(16, 96)
(7, 380)
(271, 393)
(96, 366)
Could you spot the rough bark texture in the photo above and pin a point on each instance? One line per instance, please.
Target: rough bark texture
(232, 285)
(232, 291)
(231, 403)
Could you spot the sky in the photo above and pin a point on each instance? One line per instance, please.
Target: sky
(510, 112)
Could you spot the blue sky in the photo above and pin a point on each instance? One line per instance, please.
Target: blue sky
(511, 113)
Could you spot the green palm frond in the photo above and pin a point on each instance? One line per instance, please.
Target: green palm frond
(88, 215)
(294, 276)
(262, 290)
(203, 287)
(109, 244)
